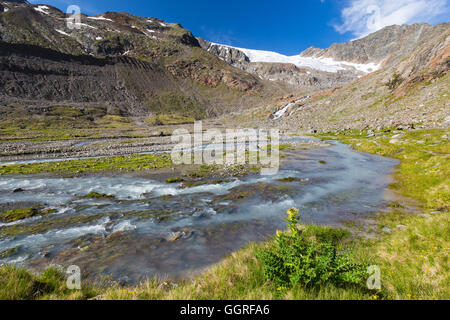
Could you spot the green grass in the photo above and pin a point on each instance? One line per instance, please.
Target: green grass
(174, 180)
(414, 256)
(114, 122)
(18, 284)
(165, 119)
(281, 147)
(23, 213)
(121, 163)
(290, 179)
(96, 195)
(239, 276)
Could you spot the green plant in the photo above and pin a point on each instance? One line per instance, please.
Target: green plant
(23, 213)
(96, 195)
(394, 82)
(293, 259)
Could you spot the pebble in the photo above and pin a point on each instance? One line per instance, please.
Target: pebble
(386, 229)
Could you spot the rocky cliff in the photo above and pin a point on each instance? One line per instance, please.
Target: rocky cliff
(140, 65)
(309, 70)
(410, 89)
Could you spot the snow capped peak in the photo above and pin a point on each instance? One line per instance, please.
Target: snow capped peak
(322, 64)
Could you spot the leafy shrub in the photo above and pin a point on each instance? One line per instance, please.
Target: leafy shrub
(293, 259)
(394, 82)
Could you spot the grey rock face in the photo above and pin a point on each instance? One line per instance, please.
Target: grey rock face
(230, 55)
(116, 60)
(34, 74)
(389, 43)
(306, 78)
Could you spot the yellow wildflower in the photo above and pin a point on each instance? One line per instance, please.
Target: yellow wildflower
(293, 213)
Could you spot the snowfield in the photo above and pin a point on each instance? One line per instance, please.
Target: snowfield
(99, 18)
(41, 9)
(62, 32)
(322, 64)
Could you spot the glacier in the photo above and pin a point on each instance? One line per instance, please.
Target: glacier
(322, 64)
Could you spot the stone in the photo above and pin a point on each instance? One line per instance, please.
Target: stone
(45, 254)
(124, 281)
(386, 229)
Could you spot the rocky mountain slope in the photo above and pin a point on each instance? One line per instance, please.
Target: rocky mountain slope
(411, 88)
(143, 66)
(137, 67)
(308, 74)
(316, 69)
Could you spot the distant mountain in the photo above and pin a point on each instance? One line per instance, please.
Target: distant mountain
(337, 65)
(302, 73)
(409, 89)
(137, 65)
(320, 63)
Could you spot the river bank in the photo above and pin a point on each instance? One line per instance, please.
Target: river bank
(410, 247)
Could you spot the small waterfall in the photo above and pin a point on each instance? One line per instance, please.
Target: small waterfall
(280, 113)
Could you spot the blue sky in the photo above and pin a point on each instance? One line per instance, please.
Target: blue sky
(285, 26)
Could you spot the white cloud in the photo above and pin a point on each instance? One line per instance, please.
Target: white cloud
(362, 17)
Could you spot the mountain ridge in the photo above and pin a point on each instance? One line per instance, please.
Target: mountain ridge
(196, 83)
(146, 66)
(343, 61)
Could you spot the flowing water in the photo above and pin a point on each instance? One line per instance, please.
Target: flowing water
(152, 228)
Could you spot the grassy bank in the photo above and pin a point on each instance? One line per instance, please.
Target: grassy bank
(121, 163)
(410, 246)
(412, 251)
(424, 172)
(239, 276)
